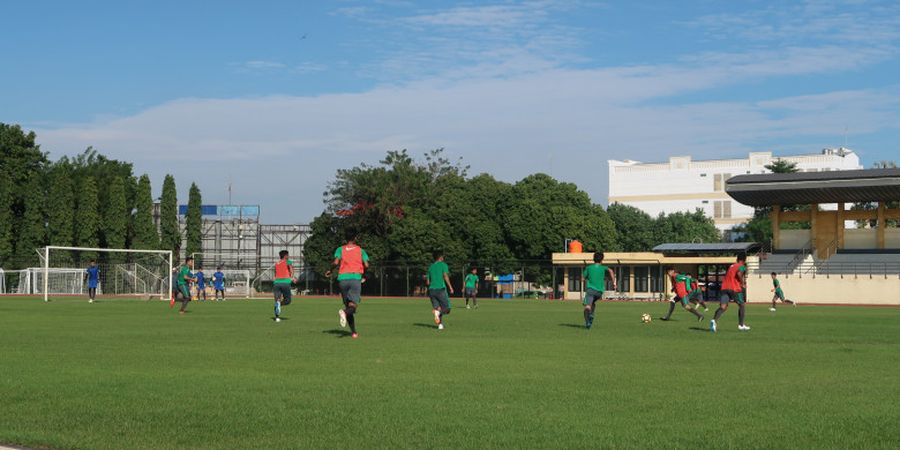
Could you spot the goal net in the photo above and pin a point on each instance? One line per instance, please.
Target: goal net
(236, 282)
(112, 272)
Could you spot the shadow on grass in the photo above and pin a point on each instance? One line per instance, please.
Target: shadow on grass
(282, 319)
(572, 325)
(425, 325)
(704, 329)
(337, 332)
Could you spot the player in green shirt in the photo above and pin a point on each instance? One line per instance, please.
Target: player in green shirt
(779, 294)
(184, 280)
(438, 278)
(594, 283)
(470, 287)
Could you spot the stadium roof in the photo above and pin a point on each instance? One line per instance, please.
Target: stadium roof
(804, 188)
(713, 247)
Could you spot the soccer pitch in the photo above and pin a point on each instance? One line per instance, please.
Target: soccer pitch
(518, 374)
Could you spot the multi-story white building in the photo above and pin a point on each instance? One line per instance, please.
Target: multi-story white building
(682, 184)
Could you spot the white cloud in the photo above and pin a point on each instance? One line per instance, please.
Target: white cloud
(282, 150)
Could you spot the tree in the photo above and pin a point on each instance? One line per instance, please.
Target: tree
(170, 234)
(61, 212)
(87, 217)
(6, 218)
(20, 157)
(115, 219)
(685, 227)
(782, 166)
(194, 221)
(145, 234)
(634, 228)
(32, 231)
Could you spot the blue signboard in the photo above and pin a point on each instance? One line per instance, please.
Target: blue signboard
(224, 210)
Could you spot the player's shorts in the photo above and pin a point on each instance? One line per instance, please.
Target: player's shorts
(185, 291)
(439, 299)
(591, 296)
(282, 292)
(470, 292)
(780, 294)
(731, 296)
(351, 291)
(684, 300)
(696, 295)
(220, 289)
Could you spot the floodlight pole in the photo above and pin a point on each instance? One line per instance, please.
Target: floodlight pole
(171, 287)
(46, 273)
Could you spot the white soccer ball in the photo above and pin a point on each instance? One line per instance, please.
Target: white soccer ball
(646, 318)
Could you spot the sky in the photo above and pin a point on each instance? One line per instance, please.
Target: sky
(274, 97)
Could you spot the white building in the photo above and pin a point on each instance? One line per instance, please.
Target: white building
(682, 184)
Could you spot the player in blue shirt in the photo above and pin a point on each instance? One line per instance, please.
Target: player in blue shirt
(93, 274)
(201, 283)
(219, 283)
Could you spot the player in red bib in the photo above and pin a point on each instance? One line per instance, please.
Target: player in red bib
(352, 262)
(733, 288)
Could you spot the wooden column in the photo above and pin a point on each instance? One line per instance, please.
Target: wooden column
(776, 227)
(813, 223)
(879, 232)
(840, 226)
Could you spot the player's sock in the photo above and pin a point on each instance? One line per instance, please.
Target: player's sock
(587, 317)
(671, 310)
(695, 312)
(719, 313)
(277, 309)
(474, 302)
(741, 313)
(351, 320)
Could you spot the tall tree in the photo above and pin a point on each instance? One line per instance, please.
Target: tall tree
(20, 157)
(145, 235)
(634, 228)
(170, 233)
(6, 218)
(87, 217)
(115, 219)
(32, 231)
(61, 207)
(685, 227)
(193, 223)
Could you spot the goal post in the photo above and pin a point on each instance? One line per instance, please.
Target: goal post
(124, 272)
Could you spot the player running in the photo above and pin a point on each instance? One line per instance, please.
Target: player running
(219, 283)
(93, 279)
(281, 286)
(438, 277)
(352, 262)
(184, 280)
(680, 284)
(733, 287)
(201, 283)
(594, 284)
(779, 294)
(470, 287)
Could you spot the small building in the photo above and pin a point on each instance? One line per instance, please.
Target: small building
(641, 275)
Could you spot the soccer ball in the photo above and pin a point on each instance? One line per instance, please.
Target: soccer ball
(646, 318)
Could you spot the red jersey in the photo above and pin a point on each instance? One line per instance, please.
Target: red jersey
(351, 260)
(681, 286)
(731, 282)
(283, 270)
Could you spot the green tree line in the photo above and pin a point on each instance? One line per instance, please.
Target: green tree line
(87, 201)
(402, 209)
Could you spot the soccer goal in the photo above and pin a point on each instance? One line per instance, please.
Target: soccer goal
(120, 272)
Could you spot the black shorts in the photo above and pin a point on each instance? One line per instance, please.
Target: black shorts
(351, 290)
(282, 293)
(439, 299)
(731, 296)
(470, 292)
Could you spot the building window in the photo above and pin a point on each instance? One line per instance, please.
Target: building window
(722, 209)
(657, 282)
(705, 202)
(719, 181)
(623, 273)
(641, 282)
(702, 174)
(574, 279)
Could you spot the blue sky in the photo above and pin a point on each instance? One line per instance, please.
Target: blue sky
(276, 96)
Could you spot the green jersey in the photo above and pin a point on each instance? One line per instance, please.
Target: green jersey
(184, 272)
(436, 275)
(777, 285)
(595, 274)
(471, 281)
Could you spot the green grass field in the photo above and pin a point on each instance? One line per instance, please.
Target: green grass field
(133, 374)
